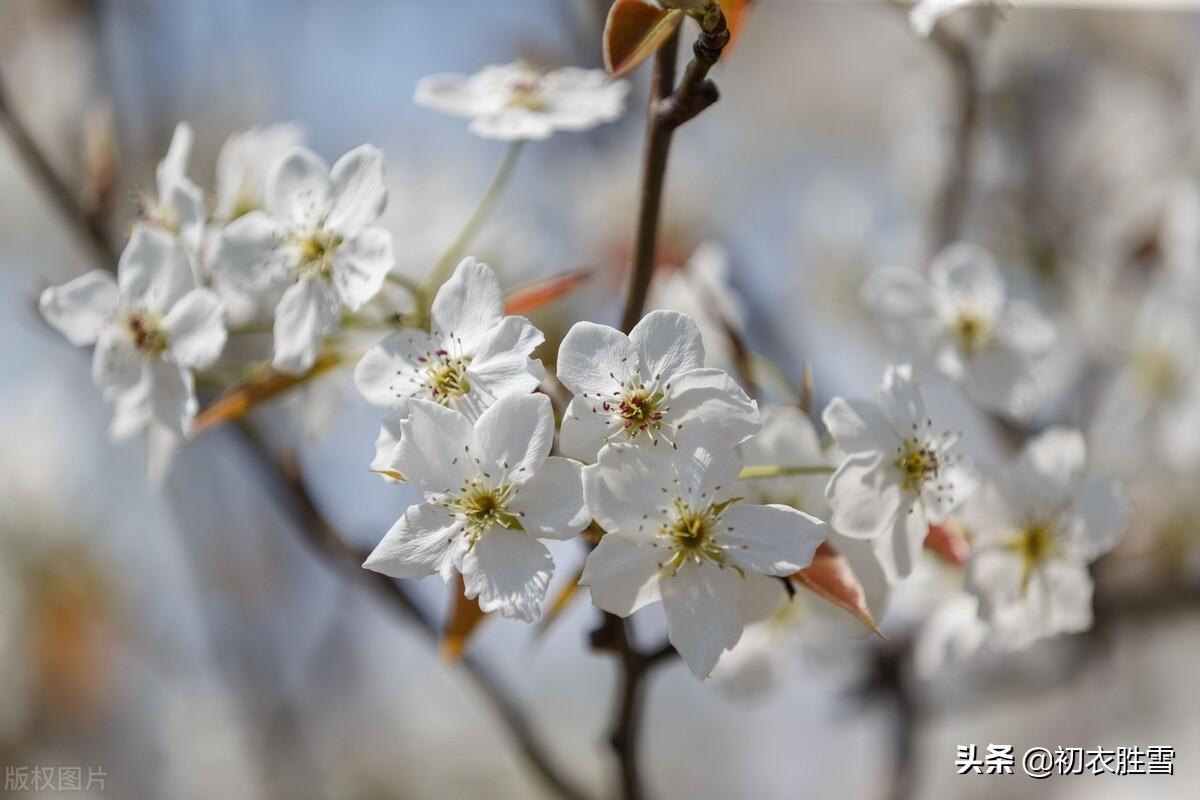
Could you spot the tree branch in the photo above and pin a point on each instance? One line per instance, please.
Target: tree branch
(950, 213)
(313, 529)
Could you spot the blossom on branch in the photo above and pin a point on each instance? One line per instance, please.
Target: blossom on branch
(517, 101)
(491, 491)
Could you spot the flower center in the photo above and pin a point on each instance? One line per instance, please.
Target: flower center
(146, 332)
(316, 253)
(481, 506)
(972, 332)
(1035, 545)
(526, 93)
(918, 463)
(691, 534)
(1156, 372)
(446, 377)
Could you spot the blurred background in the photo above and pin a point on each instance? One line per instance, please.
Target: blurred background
(188, 642)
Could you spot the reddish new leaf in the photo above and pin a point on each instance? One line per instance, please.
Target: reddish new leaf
(634, 30)
(735, 17)
(238, 401)
(542, 293)
(948, 543)
(464, 617)
(829, 576)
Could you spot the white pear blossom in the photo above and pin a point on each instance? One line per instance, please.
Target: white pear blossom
(151, 327)
(647, 388)
(898, 475)
(1036, 525)
(518, 101)
(924, 15)
(491, 491)
(676, 532)
(243, 165)
(178, 208)
(315, 237)
(473, 355)
(962, 320)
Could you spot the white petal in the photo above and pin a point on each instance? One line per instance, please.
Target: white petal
(516, 435)
(1002, 379)
(249, 254)
(595, 359)
(668, 343)
(501, 365)
(80, 308)
(299, 189)
(712, 401)
(1102, 516)
(899, 549)
(858, 426)
(1056, 457)
(770, 540)
(513, 124)
(468, 305)
(391, 372)
(994, 575)
(432, 452)
(707, 471)
(899, 294)
(422, 542)
(195, 328)
(359, 189)
(762, 597)
(550, 504)
(154, 272)
(900, 399)
(1069, 601)
(386, 445)
(509, 572)
(622, 574)
(172, 395)
(307, 312)
(116, 363)
(360, 266)
(1025, 328)
(704, 617)
(969, 275)
(627, 488)
(584, 430)
(456, 94)
(865, 495)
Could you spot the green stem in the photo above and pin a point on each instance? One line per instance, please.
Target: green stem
(780, 471)
(445, 265)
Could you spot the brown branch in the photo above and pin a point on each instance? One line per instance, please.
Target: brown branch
(951, 210)
(309, 524)
(89, 227)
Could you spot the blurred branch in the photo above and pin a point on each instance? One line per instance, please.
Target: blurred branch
(89, 227)
(955, 193)
(310, 524)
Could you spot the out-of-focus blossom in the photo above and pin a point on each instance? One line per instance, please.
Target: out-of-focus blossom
(517, 101)
(898, 475)
(925, 14)
(151, 327)
(1036, 525)
(473, 356)
(243, 165)
(676, 532)
(491, 491)
(178, 208)
(315, 238)
(702, 290)
(962, 320)
(646, 388)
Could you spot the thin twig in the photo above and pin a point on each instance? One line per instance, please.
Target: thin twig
(310, 525)
(950, 213)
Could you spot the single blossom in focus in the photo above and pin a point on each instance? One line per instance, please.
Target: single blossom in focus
(677, 532)
(648, 388)
(491, 491)
(962, 320)
(1036, 525)
(151, 327)
(315, 242)
(898, 475)
(517, 101)
(473, 355)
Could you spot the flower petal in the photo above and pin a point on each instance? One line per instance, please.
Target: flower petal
(249, 254)
(515, 435)
(668, 343)
(858, 426)
(512, 124)
(80, 308)
(360, 266)
(704, 617)
(710, 400)
(1102, 516)
(899, 549)
(116, 362)
(172, 395)
(594, 359)
(359, 189)
(1057, 456)
(550, 504)
(707, 471)
(865, 495)
(422, 542)
(431, 453)
(622, 574)
(584, 430)
(468, 305)
(900, 399)
(1002, 379)
(627, 489)
(509, 572)
(455, 94)
(195, 328)
(153, 273)
(307, 312)
(969, 275)
(392, 371)
(1025, 328)
(386, 445)
(770, 540)
(299, 189)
